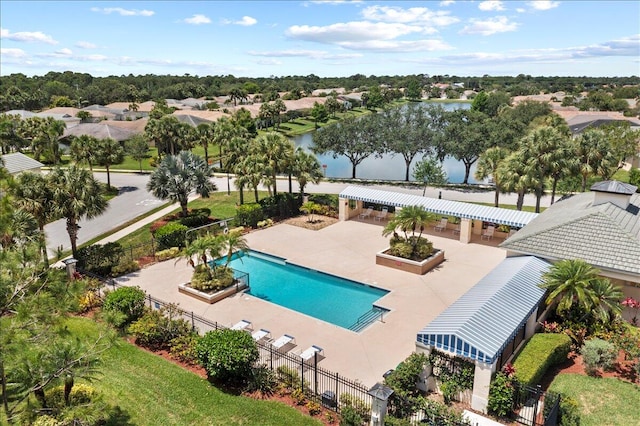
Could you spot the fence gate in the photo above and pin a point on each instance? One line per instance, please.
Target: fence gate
(534, 407)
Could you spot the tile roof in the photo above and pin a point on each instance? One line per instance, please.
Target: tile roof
(604, 235)
(500, 216)
(483, 320)
(18, 162)
(99, 130)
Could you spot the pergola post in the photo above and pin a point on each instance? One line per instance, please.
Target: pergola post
(481, 383)
(465, 231)
(343, 209)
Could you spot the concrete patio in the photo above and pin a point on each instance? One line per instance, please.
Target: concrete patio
(346, 249)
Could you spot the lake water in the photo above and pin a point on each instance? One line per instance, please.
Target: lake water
(388, 167)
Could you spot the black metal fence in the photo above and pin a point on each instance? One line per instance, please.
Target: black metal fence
(534, 407)
(330, 389)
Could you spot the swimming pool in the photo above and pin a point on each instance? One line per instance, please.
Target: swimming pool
(327, 297)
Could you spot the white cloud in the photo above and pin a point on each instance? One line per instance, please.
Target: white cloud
(490, 5)
(29, 37)
(499, 24)
(197, 20)
(520, 10)
(64, 52)
(397, 46)
(86, 45)
(12, 53)
(267, 61)
(246, 21)
(122, 12)
(351, 32)
(417, 15)
(446, 3)
(301, 53)
(543, 4)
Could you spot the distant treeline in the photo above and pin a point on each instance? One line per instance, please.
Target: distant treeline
(18, 91)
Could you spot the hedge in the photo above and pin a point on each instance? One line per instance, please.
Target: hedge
(543, 351)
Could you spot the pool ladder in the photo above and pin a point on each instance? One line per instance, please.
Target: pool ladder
(374, 314)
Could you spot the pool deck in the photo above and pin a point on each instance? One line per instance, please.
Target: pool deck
(346, 249)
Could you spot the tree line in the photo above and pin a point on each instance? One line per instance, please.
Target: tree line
(17, 91)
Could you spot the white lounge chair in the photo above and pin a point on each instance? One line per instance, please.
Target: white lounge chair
(242, 325)
(382, 214)
(283, 342)
(261, 334)
(442, 225)
(310, 353)
(366, 213)
(488, 233)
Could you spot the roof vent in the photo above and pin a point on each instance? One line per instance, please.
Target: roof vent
(614, 192)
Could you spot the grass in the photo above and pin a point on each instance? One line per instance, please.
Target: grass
(152, 391)
(601, 401)
(531, 209)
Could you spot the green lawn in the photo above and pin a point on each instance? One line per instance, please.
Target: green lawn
(602, 401)
(512, 207)
(154, 391)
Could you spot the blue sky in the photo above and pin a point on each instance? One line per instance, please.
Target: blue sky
(325, 38)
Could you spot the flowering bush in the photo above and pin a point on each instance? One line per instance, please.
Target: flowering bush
(634, 304)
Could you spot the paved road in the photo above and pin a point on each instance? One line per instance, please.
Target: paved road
(134, 200)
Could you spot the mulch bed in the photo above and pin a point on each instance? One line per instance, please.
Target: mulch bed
(318, 222)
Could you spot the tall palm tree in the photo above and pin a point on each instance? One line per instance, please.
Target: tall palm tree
(275, 149)
(512, 176)
(178, 175)
(233, 242)
(570, 283)
(249, 172)
(204, 136)
(83, 150)
(75, 194)
(109, 152)
(33, 194)
(488, 166)
(306, 169)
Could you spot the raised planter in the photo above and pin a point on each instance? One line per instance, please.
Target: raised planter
(412, 266)
(211, 297)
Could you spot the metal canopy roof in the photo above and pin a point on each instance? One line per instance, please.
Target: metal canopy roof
(515, 218)
(484, 320)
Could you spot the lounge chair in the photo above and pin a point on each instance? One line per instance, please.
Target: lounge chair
(456, 230)
(366, 213)
(309, 354)
(242, 325)
(282, 343)
(488, 233)
(442, 225)
(261, 334)
(381, 215)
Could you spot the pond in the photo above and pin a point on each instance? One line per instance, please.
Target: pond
(388, 167)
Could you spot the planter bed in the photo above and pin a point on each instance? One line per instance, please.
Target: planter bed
(211, 297)
(407, 265)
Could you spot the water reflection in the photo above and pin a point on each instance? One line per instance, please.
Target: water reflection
(386, 168)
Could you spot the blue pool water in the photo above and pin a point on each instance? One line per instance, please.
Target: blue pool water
(329, 298)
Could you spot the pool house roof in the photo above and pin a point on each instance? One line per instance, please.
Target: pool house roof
(514, 218)
(482, 322)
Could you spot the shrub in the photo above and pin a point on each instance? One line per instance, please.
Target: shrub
(124, 267)
(288, 377)
(282, 205)
(314, 408)
(227, 354)
(46, 421)
(210, 280)
(263, 380)
(350, 417)
(99, 259)
(540, 353)
(173, 234)
(298, 397)
(634, 176)
(80, 394)
(249, 215)
(598, 354)
(183, 348)
(167, 254)
(502, 393)
(128, 301)
(196, 217)
(404, 379)
(361, 408)
(155, 329)
(569, 412)
(89, 300)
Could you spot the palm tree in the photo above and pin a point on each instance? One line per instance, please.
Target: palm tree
(306, 169)
(512, 176)
(570, 283)
(33, 194)
(488, 166)
(83, 150)
(204, 135)
(109, 152)
(410, 218)
(202, 247)
(233, 242)
(607, 298)
(249, 172)
(275, 149)
(178, 175)
(75, 193)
